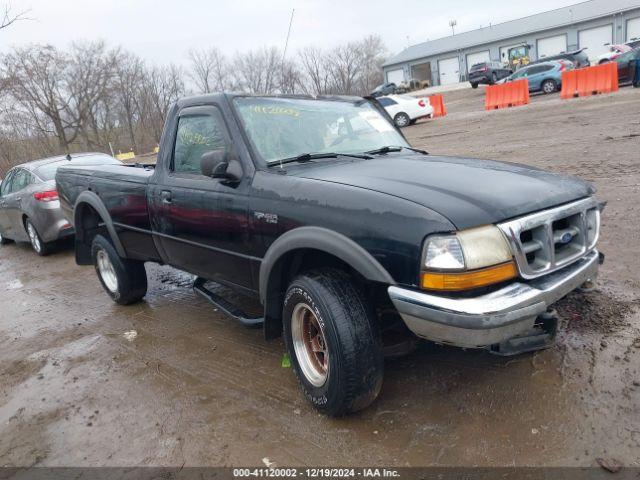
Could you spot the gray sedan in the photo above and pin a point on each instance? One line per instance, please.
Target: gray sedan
(29, 206)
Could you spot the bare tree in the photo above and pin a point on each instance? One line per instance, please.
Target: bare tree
(258, 71)
(290, 78)
(90, 81)
(35, 78)
(129, 80)
(209, 70)
(346, 65)
(163, 86)
(8, 16)
(373, 54)
(314, 64)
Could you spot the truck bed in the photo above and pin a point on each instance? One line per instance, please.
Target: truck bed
(123, 191)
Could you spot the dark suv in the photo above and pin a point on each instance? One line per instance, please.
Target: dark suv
(487, 73)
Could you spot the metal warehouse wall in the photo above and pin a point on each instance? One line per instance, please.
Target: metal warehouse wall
(619, 22)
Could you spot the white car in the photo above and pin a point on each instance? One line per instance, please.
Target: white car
(614, 52)
(405, 109)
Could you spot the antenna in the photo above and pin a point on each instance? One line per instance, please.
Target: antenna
(286, 43)
(452, 24)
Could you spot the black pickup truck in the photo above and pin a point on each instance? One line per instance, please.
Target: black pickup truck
(320, 209)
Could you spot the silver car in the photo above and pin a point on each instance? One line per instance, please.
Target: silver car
(29, 205)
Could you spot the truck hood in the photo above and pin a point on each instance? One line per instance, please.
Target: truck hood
(468, 192)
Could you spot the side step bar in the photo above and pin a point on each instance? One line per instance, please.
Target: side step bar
(226, 306)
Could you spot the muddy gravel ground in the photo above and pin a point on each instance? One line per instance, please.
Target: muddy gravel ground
(172, 382)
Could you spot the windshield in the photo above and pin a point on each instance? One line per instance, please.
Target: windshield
(48, 171)
(281, 128)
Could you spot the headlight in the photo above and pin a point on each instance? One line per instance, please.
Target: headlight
(468, 259)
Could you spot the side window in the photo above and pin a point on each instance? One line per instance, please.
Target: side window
(198, 134)
(5, 189)
(20, 180)
(385, 102)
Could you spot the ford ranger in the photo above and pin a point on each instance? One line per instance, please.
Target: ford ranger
(320, 209)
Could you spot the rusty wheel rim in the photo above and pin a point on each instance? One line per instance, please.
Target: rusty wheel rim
(310, 345)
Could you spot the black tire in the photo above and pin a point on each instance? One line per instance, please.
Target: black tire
(549, 86)
(494, 78)
(474, 85)
(355, 365)
(130, 275)
(401, 120)
(3, 240)
(39, 246)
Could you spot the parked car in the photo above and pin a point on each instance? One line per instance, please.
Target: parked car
(405, 109)
(543, 77)
(633, 43)
(487, 73)
(384, 89)
(614, 52)
(627, 66)
(29, 205)
(319, 207)
(578, 58)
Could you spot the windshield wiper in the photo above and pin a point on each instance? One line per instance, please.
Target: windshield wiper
(385, 150)
(307, 157)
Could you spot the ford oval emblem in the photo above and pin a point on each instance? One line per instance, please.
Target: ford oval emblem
(566, 237)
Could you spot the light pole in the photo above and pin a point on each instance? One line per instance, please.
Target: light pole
(452, 24)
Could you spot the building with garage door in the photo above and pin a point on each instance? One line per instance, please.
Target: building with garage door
(589, 25)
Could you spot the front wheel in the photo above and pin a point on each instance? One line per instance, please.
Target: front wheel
(549, 86)
(124, 280)
(39, 246)
(333, 341)
(474, 85)
(401, 120)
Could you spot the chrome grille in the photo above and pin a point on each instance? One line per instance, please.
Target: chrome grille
(549, 240)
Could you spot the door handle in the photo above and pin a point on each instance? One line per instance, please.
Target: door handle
(165, 195)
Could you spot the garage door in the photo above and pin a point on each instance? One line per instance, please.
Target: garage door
(552, 46)
(594, 41)
(395, 76)
(633, 29)
(449, 71)
(479, 57)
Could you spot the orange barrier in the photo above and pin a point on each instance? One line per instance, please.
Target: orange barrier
(590, 81)
(437, 103)
(512, 94)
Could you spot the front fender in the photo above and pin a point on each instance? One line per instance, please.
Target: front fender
(333, 243)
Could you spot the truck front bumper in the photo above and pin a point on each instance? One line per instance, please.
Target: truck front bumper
(494, 318)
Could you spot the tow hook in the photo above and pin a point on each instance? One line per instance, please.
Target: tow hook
(540, 337)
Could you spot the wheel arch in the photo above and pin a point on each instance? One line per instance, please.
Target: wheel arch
(87, 205)
(286, 256)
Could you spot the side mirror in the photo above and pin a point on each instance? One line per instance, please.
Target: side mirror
(220, 164)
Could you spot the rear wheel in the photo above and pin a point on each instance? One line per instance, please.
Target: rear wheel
(333, 342)
(401, 120)
(39, 246)
(474, 85)
(124, 280)
(549, 86)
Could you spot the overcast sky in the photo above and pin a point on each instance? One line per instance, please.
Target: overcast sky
(163, 30)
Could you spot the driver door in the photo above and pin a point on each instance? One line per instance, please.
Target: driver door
(202, 222)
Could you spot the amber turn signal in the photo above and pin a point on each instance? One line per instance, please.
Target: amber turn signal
(469, 280)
